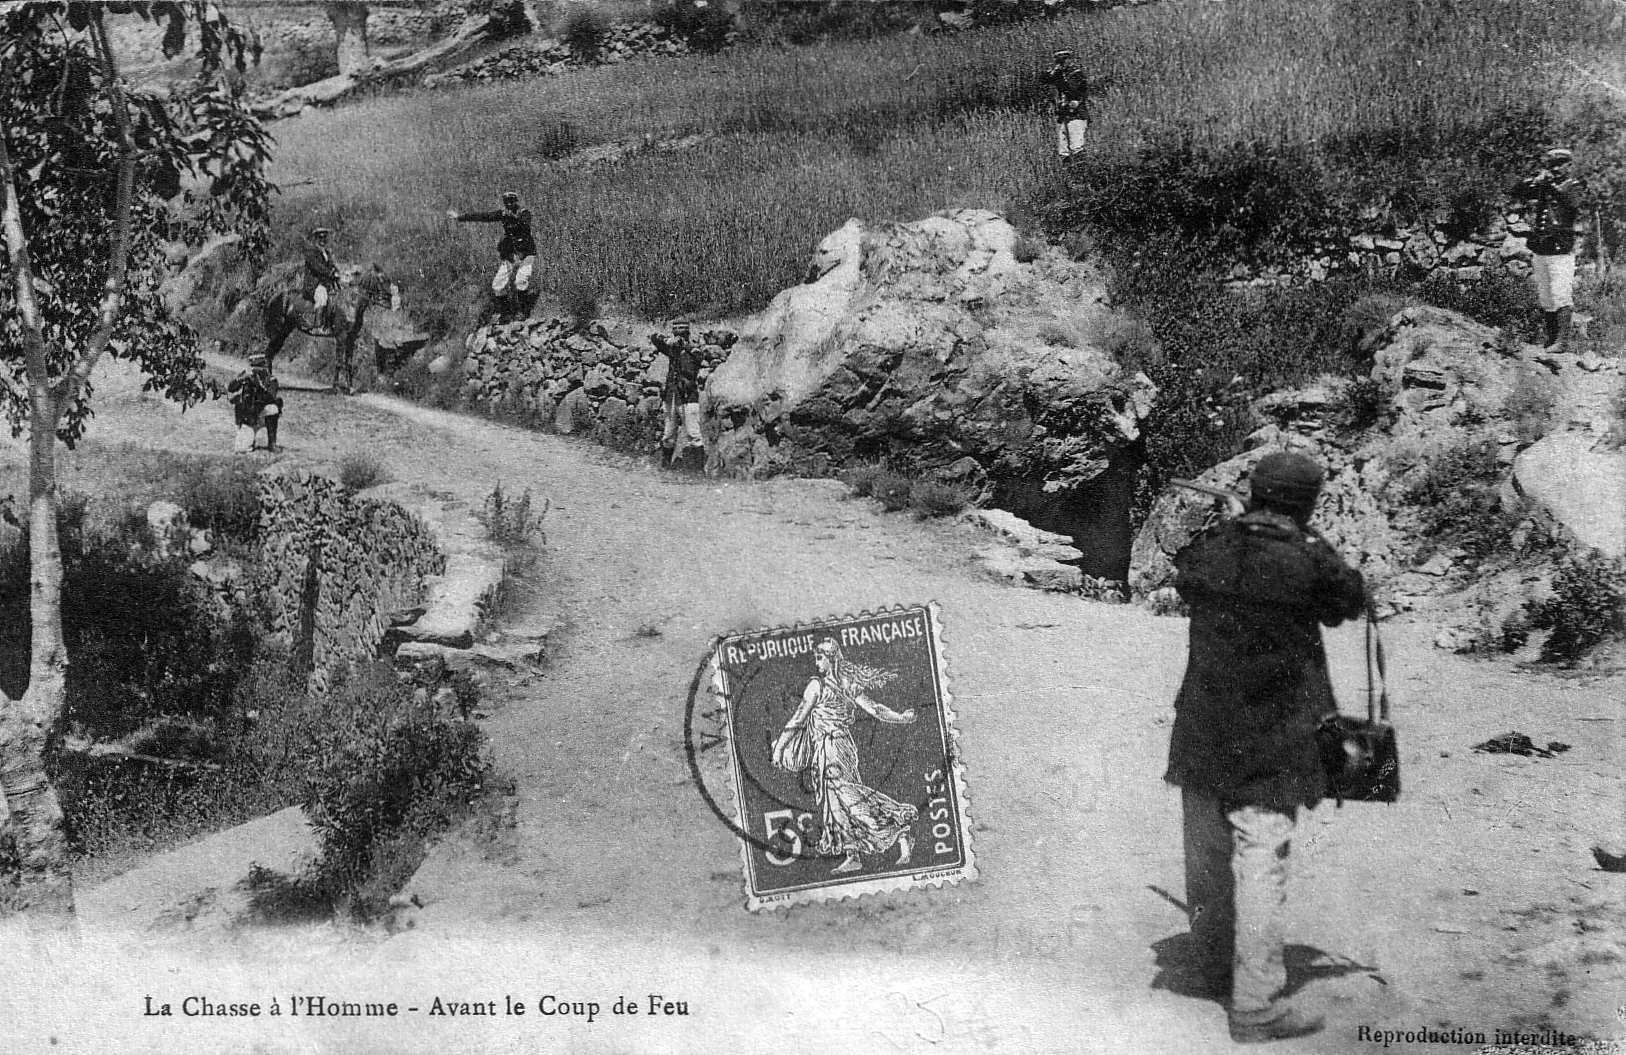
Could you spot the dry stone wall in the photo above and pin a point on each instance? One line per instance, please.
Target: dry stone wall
(543, 373)
(337, 569)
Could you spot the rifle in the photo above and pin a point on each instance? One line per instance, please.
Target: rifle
(1238, 505)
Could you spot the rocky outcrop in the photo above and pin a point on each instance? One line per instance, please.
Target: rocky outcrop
(1438, 382)
(547, 58)
(952, 341)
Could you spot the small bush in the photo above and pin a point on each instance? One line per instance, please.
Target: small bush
(934, 498)
(1458, 500)
(1587, 608)
(1364, 322)
(1497, 298)
(862, 477)
(1530, 405)
(703, 26)
(222, 497)
(510, 521)
(586, 30)
(893, 489)
(357, 472)
(1360, 404)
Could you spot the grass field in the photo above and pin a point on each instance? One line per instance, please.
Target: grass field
(796, 140)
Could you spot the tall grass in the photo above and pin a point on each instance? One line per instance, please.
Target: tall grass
(798, 140)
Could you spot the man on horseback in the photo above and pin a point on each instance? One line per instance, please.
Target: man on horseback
(321, 279)
(511, 293)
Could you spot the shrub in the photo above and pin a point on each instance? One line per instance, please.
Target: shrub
(703, 26)
(1530, 405)
(389, 768)
(510, 521)
(222, 497)
(934, 498)
(357, 472)
(1587, 608)
(862, 477)
(1497, 298)
(1457, 497)
(585, 30)
(893, 489)
(1364, 322)
(1360, 404)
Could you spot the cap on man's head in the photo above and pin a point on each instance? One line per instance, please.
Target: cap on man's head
(509, 195)
(680, 327)
(1557, 156)
(258, 360)
(321, 232)
(1064, 54)
(1286, 480)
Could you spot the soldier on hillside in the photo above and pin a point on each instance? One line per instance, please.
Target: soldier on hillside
(680, 396)
(1552, 207)
(321, 278)
(256, 403)
(511, 294)
(1243, 750)
(1072, 90)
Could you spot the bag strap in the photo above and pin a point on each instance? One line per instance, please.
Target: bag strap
(1374, 647)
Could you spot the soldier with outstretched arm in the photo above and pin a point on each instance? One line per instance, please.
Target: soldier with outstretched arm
(1552, 207)
(511, 292)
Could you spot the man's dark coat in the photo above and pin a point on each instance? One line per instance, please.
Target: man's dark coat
(1256, 686)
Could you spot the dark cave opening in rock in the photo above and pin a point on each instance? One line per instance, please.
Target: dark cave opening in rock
(1095, 515)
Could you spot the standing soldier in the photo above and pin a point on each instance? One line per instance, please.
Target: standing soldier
(1072, 103)
(1243, 750)
(511, 293)
(255, 402)
(321, 278)
(1552, 207)
(680, 397)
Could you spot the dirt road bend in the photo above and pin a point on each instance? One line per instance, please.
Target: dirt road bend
(1470, 905)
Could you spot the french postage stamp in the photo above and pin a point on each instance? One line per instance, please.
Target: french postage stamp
(842, 757)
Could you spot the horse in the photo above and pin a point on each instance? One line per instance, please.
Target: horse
(286, 311)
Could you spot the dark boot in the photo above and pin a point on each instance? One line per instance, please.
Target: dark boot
(271, 432)
(527, 303)
(1550, 323)
(1561, 325)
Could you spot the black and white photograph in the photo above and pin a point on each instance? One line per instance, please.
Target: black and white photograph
(662, 527)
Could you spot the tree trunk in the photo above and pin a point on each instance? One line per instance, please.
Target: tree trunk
(349, 20)
(28, 724)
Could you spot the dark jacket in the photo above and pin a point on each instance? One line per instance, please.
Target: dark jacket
(682, 369)
(1553, 207)
(1072, 91)
(517, 239)
(1260, 587)
(250, 393)
(320, 270)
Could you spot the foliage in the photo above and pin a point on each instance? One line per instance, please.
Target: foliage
(388, 764)
(1359, 405)
(1530, 404)
(146, 638)
(84, 154)
(893, 490)
(703, 26)
(1587, 608)
(585, 29)
(1457, 497)
(862, 477)
(1497, 298)
(221, 497)
(359, 471)
(510, 521)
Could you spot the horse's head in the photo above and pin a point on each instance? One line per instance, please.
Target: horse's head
(373, 283)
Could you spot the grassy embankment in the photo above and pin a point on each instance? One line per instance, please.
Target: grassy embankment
(1248, 130)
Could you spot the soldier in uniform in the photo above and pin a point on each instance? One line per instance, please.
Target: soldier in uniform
(1243, 749)
(1072, 89)
(511, 293)
(680, 397)
(256, 402)
(1552, 206)
(321, 277)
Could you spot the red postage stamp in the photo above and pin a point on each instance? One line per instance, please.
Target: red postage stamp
(842, 756)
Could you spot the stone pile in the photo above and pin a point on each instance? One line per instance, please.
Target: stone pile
(623, 41)
(337, 569)
(543, 371)
(1418, 251)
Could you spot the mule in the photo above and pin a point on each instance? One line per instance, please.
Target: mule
(286, 311)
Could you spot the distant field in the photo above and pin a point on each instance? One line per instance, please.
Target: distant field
(795, 141)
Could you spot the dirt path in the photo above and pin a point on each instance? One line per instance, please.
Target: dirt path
(1472, 904)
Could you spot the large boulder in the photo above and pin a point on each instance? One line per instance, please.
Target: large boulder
(934, 339)
(1440, 381)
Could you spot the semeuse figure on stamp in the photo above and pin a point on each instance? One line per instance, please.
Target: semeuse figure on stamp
(512, 297)
(1552, 207)
(854, 819)
(1243, 749)
(680, 395)
(256, 403)
(1072, 89)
